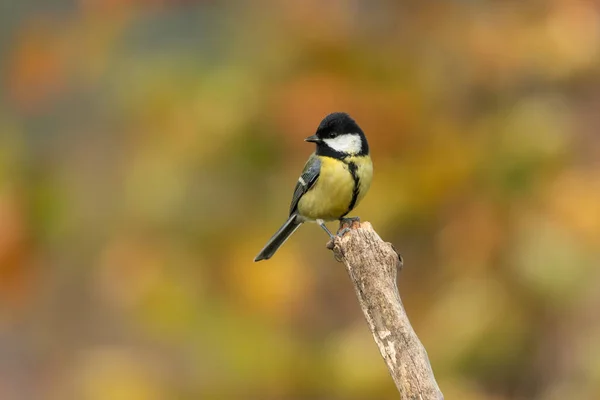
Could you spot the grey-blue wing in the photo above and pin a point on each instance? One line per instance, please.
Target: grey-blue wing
(307, 179)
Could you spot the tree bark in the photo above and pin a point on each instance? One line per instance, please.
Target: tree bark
(372, 265)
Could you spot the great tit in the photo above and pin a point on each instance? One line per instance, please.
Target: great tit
(335, 179)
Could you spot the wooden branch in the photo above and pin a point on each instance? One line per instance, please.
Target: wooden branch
(372, 265)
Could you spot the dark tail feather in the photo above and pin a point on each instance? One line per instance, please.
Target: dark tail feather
(279, 238)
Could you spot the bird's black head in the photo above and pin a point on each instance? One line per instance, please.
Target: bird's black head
(339, 136)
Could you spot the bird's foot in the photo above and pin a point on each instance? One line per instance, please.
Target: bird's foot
(349, 220)
(343, 231)
(346, 224)
(322, 225)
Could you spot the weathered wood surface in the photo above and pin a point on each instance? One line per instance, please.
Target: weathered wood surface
(372, 265)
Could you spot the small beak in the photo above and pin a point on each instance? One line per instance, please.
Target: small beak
(313, 139)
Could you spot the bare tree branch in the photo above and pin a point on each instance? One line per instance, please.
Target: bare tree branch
(372, 265)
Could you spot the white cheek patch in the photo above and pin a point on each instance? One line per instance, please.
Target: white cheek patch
(348, 143)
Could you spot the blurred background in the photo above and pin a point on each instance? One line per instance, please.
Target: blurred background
(148, 149)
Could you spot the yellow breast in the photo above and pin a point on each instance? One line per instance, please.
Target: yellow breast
(365, 175)
(331, 196)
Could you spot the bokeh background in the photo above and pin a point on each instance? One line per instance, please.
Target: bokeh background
(148, 149)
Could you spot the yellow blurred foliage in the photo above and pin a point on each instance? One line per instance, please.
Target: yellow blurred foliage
(112, 373)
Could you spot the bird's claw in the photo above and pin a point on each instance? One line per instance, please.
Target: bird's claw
(346, 224)
(349, 221)
(342, 232)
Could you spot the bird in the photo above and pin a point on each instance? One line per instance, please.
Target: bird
(334, 180)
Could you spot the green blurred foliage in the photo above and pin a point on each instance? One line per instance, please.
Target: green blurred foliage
(148, 149)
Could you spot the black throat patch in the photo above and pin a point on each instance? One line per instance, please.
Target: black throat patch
(353, 168)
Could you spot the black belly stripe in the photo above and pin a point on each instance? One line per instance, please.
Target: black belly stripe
(356, 190)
